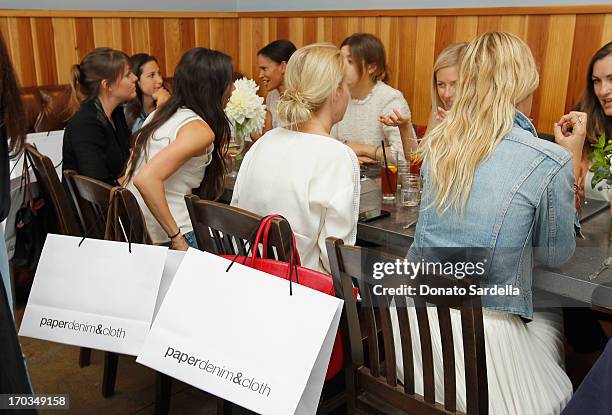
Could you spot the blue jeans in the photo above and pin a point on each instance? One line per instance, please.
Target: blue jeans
(191, 239)
(4, 268)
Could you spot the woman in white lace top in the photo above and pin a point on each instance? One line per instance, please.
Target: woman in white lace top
(371, 101)
(299, 171)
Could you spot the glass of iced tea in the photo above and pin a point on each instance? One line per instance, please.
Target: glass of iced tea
(416, 160)
(388, 176)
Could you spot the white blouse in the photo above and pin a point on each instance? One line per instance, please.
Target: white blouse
(360, 123)
(189, 176)
(311, 180)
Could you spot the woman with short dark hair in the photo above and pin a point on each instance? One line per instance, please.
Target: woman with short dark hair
(272, 61)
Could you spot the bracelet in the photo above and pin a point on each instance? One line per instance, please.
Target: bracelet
(175, 235)
(575, 188)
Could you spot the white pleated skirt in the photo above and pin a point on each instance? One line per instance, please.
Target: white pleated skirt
(525, 369)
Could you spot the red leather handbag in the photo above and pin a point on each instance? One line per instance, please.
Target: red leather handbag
(290, 270)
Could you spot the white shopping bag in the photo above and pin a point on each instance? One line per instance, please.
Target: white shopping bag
(97, 295)
(173, 260)
(241, 336)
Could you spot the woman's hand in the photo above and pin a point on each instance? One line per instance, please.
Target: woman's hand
(395, 119)
(571, 140)
(441, 113)
(179, 243)
(161, 97)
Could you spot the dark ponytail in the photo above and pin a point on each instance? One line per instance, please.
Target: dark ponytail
(98, 65)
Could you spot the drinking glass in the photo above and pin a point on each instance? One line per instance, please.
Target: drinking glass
(411, 190)
(388, 176)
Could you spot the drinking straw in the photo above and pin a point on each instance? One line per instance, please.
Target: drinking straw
(382, 143)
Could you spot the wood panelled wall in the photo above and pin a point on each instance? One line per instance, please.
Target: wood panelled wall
(43, 45)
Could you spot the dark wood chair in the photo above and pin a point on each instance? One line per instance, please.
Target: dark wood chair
(373, 387)
(224, 230)
(53, 191)
(92, 199)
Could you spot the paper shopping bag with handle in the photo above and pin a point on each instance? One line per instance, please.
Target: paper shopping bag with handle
(94, 293)
(239, 334)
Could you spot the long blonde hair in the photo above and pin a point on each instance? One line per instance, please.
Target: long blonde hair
(313, 73)
(496, 73)
(450, 56)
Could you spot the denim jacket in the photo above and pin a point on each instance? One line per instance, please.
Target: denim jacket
(520, 209)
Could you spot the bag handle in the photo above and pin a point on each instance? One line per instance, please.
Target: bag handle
(262, 233)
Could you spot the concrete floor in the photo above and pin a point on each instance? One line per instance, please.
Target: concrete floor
(54, 368)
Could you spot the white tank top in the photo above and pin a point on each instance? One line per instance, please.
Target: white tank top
(181, 183)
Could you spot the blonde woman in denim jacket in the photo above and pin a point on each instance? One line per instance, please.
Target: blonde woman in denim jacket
(489, 182)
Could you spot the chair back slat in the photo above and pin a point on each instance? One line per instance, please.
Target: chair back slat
(92, 199)
(376, 384)
(225, 230)
(387, 333)
(371, 330)
(406, 342)
(477, 392)
(429, 391)
(52, 190)
(448, 358)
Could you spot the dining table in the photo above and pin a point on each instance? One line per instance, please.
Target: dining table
(574, 284)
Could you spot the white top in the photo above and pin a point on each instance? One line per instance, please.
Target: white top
(311, 180)
(272, 101)
(360, 123)
(181, 183)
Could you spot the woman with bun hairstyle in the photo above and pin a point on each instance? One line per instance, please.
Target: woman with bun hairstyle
(96, 140)
(298, 170)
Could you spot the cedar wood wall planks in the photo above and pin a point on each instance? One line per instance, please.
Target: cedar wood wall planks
(44, 44)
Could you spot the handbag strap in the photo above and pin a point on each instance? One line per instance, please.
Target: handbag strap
(261, 234)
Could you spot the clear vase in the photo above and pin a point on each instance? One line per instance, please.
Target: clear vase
(234, 152)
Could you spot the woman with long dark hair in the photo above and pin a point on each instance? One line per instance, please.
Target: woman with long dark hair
(150, 91)
(13, 375)
(181, 142)
(96, 140)
(597, 103)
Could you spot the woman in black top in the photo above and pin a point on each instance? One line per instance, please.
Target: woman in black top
(96, 140)
(13, 375)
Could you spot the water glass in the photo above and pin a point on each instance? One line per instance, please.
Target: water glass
(411, 190)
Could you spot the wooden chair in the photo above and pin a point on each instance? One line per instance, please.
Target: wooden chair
(374, 386)
(224, 230)
(92, 200)
(53, 191)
